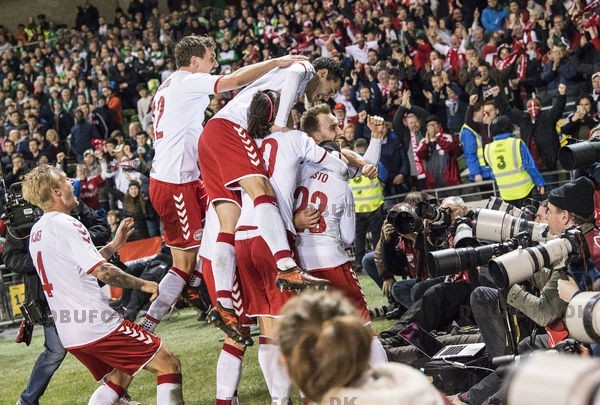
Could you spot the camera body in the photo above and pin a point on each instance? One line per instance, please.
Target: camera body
(18, 212)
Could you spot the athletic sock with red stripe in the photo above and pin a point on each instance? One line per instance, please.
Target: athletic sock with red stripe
(169, 290)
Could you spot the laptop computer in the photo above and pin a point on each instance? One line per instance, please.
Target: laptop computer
(433, 348)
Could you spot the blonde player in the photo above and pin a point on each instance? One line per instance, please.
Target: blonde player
(69, 266)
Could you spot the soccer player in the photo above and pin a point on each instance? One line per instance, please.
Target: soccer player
(230, 161)
(69, 266)
(321, 248)
(283, 153)
(175, 192)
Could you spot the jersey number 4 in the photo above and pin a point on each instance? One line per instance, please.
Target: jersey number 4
(317, 198)
(46, 286)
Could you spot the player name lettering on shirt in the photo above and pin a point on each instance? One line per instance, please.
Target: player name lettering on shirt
(320, 176)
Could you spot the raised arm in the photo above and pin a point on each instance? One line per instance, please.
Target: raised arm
(248, 74)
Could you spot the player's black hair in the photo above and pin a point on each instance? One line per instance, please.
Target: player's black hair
(330, 146)
(334, 69)
(262, 112)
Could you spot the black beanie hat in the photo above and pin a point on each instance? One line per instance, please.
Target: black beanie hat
(501, 125)
(576, 196)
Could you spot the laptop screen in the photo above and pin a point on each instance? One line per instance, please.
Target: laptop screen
(418, 337)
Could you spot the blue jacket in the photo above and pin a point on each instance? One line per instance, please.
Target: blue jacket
(493, 19)
(469, 143)
(527, 161)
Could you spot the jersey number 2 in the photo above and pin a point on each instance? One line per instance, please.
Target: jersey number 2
(158, 107)
(46, 286)
(317, 198)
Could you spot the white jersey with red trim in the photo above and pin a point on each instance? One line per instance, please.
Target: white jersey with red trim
(283, 153)
(289, 81)
(177, 113)
(64, 255)
(324, 245)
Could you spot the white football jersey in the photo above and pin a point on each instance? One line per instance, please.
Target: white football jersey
(283, 153)
(290, 81)
(177, 113)
(64, 256)
(324, 246)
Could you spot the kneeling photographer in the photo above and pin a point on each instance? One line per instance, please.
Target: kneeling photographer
(569, 205)
(441, 303)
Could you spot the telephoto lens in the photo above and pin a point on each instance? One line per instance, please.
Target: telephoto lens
(580, 155)
(406, 222)
(519, 265)
(496, 226)
(552, 378)
(434, 214)
(583, 317)
(446, 262)
(528, 211)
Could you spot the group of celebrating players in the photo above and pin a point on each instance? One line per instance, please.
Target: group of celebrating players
(271, 216)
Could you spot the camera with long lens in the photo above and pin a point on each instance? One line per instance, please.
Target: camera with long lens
(451, 261)
(580, 155)
(528, 212)
(583, 317)
(19, 214)
(462, 229)
(497, 226)
(519, 265)
(405, 222)
(437, 215)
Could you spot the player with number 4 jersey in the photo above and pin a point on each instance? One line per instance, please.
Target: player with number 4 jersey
(70, 266)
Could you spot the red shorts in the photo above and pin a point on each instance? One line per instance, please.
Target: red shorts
(236, 293)
(227, 154)
(181, 208)
(344, 279)
(257, 271)
(128, 349)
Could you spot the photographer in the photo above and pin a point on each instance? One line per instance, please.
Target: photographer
(570, 204)
(17, 259)
(440, 303)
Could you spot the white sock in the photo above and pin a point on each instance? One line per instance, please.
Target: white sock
(229, 372)
(169, 290)
(106, 394)
(277, 380)
(271, 228)
(378, 354)
(168, 389)
(223, 266)
(195, 279)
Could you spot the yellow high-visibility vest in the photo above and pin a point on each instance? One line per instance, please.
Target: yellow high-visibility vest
(479, 144)
(504, 158)
(368, 194)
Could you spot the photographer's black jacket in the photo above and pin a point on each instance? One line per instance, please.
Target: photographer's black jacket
(16, 250)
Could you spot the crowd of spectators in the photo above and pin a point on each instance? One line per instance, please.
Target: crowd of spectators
(81, 97)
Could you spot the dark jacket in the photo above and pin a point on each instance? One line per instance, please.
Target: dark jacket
(543, 130)
(395, 160)
(16, 250)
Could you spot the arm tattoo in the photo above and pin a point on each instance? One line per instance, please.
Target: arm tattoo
(106, 252)
(116, 277)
